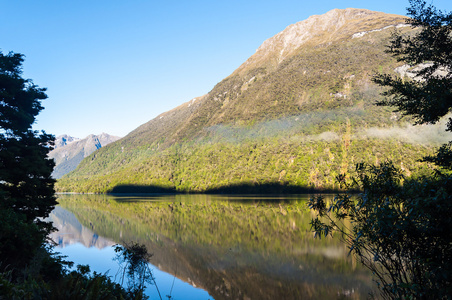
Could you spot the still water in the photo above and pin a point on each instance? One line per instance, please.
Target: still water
(212, 247)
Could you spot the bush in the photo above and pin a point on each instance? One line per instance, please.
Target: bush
(399, 229)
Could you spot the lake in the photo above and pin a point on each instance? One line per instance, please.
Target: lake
(212, 246)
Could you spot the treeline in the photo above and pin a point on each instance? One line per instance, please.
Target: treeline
(280, 165)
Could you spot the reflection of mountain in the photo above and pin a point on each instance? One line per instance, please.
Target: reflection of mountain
(70, 231)
(233, 250)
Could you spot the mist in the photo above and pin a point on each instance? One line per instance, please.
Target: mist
(431, 134)
(306, 127)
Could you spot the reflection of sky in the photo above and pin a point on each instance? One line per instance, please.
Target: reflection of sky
(101, 261)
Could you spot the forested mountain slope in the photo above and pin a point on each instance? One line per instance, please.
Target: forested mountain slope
(294, 115)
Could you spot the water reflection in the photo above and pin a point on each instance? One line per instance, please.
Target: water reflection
(82, 246)
(70, 231)
(232, 247)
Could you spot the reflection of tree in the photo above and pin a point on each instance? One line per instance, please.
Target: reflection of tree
(133, 261)
(210, 243)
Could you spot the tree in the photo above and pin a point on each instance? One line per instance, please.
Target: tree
(28, 267)
(428, 95)
(26, 186)
(400, 227)
(400, 232)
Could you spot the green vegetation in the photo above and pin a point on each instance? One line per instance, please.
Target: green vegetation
(293, 125)
(400, 232)
(77, 284)
(289, 165)
(400, 227)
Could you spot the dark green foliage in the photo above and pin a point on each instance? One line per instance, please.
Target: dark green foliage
(442, 158)
(20, 98)
(26, 188)
(428, 95)
(400, 232)
(74, 285)
(20, 241)
(81, 284)
(25, 174)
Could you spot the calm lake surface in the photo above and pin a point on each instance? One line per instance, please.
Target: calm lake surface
(213, 247)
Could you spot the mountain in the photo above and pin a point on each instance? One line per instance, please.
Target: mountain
(70, 231)
(292, 117)
(70, 151)
(314, 64)
(63, 140)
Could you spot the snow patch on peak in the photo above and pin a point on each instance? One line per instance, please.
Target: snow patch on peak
(363, 33)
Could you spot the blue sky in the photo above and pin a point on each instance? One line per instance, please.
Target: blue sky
(110, 66)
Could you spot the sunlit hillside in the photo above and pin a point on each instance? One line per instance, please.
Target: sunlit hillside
(292, 117)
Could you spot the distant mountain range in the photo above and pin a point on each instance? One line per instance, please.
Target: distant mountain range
(292, 117)
(70, 151)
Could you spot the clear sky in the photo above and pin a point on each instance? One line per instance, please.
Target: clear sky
(110, 65)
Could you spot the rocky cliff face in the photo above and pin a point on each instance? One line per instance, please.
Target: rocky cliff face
(70, 151)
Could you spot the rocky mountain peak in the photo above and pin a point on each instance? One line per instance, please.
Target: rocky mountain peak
(63, 140)
(320, 29)
(70, 151)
